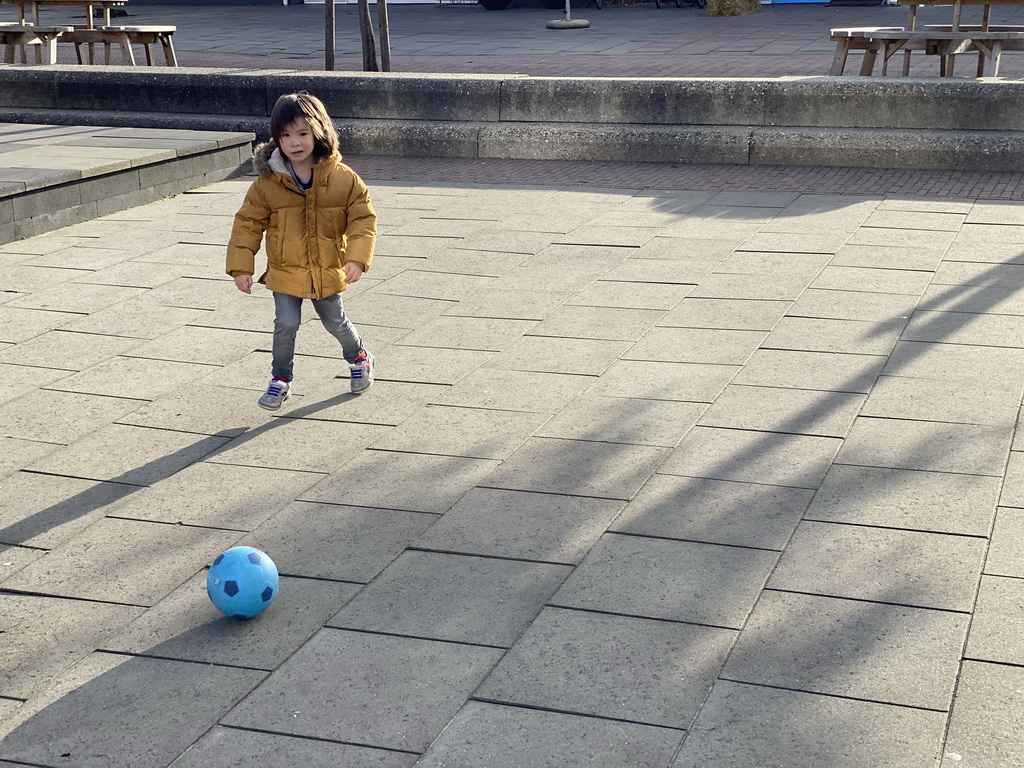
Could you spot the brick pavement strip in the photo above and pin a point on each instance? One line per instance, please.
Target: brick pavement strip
(824, 551)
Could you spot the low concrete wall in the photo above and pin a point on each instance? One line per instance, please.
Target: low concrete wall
(866, 122)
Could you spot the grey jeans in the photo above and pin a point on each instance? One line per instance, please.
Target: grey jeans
(287, 320)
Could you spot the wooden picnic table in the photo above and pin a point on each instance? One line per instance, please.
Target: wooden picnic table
(88, 5)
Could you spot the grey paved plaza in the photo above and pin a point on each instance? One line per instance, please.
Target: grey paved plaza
(651, 477)
(667, 466)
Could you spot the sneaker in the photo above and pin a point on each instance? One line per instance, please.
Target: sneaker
(362, 373)
(278, 391)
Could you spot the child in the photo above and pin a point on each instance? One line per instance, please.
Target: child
(321, 231)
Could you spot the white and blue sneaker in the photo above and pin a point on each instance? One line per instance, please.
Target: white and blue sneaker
(276, 394)
(362, 372)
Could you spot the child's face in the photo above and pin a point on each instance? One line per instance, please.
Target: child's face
(296, 142)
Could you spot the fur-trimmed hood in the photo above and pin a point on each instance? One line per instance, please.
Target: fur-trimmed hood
(267, 159)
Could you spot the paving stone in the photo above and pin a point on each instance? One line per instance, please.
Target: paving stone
(826, 371)
(690, 345)
(211, 346)
(136, 318)
(185, 625)
(376, 308)
(773, 265)
(299, 444)
(218, 496)
(917, 220)
(882, 257)
(528, 526)
(750, 287)
(758, 457)
(481, 262)
(924, 204)
(479, 600)
(388, 405)
(513, 390)
(998, 622)
(1013, 481)
(18, 325)
(883, 308)
(931, 446)
(105, 562)
(330, 541)
(227, 747)
(69, 351)
(663, 272)
(577, 468)
(650, 380)
(97, 711)
(60, 417)
(940, 502)
(371, 690)
(44, 636)
(470, 432)
(632, 295)
(590, 357)
(965, 328)
(606, 323)
(741, 726)
(435, 285)
(623, 420)
(79, 297)
(420, 365)
(663, 579)
(962, 249)
(701, 225)
(791, 411)
(591, 234)
(513, 305)
(864, 650)
(902, 281)
(510, 737)
(1004, 555)
(33, 279)
(931, 400)
(401, 481)
(562, 267)
(620, 667)
(725, 314)
(131, 377)
(988, 366)
(987, 718)
(782, 242)
(472, 333)
(993, 212)
(991, 274)
(131, 455)
(823, 335)
(93, 259)
(14, 559)
(714, 511)
(700, 248)
(44, 510)
(928, 570)
(254, 312)
(994, 299)
(205, 409)
(252, 372)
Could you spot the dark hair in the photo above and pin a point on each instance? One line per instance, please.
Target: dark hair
(291, 107)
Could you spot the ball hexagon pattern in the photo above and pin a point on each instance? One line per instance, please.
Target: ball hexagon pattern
(242, 582)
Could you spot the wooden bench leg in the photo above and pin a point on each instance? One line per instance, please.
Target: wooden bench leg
(839, 58)
(126, 48)
(51, 52)
(169, 57)
(993, 58)
(867, 66)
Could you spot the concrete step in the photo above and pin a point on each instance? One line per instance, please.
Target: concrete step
(55, 175)
(858, 122)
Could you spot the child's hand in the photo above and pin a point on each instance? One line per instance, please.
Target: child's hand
(353, 271)
(244, 283)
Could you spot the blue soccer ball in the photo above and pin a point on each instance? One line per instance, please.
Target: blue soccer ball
(242, 582)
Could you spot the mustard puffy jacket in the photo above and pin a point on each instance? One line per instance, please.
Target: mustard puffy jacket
(309, 236)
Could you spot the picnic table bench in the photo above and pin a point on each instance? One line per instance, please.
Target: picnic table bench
(940, 40)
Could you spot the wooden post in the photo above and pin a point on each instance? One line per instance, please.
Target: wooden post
(385, 35)
(329, 42)
(366, 30)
